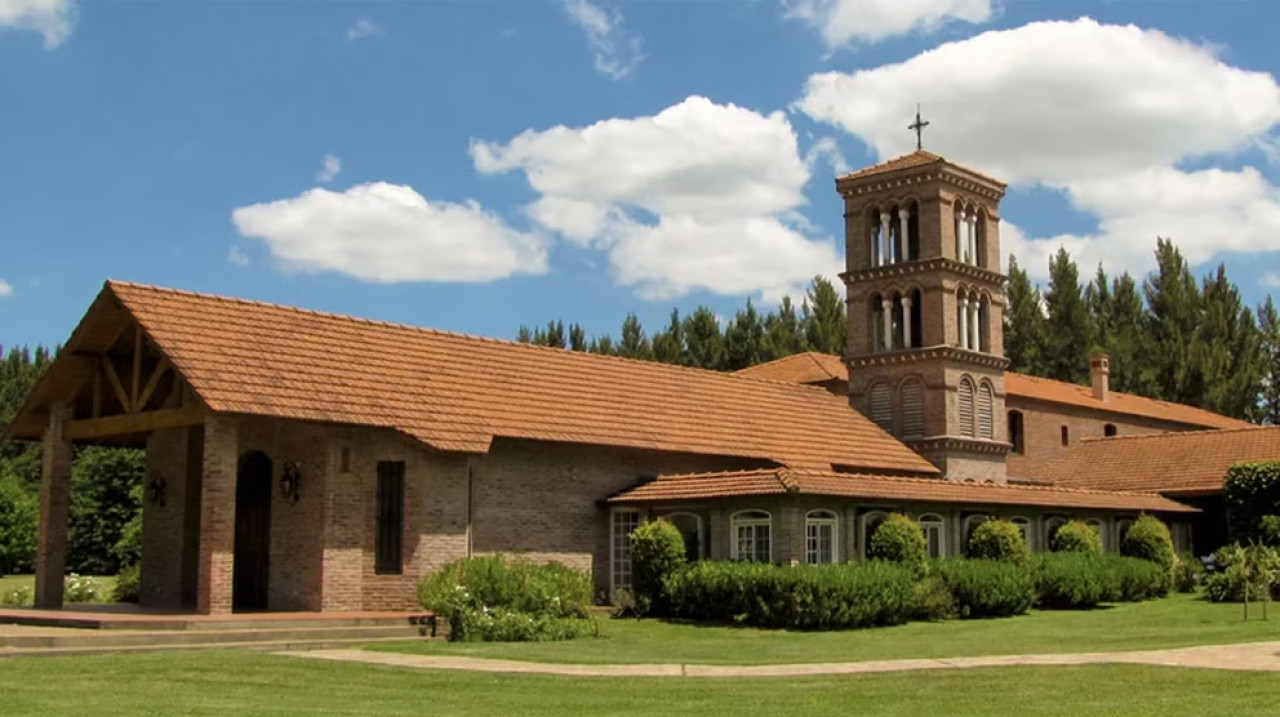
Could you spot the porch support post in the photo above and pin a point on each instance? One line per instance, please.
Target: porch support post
(216, 559)
(55, 504)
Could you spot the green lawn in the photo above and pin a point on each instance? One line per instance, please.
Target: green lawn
(9, 583)
(252, 683)
(1176, 621)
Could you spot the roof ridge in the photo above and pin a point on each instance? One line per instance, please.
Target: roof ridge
(733, 375)
(1169, 434)
(1010, 486)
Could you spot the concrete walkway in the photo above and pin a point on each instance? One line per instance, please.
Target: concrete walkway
(1246, 656)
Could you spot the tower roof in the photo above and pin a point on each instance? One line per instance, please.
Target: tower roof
(918, 158)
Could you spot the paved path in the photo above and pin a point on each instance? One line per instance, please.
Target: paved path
(1247, 656)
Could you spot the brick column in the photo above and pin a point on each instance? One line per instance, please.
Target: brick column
(216, 559)
(55, 503)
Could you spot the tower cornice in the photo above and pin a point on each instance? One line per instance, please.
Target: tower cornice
(940, 171)
(959, 443)
(910, 268)
(929, 353)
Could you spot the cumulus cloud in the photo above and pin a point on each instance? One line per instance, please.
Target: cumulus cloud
(6, 289)
(1109, 115)
(698, 196)
(329, 169)
(237, 257)
(362, 29)
(387, 233)
(53, 19)
(1271, 279)
(863, 22)
(616, 50)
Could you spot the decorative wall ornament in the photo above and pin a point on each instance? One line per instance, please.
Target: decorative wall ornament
(156, 487)
(291, 481)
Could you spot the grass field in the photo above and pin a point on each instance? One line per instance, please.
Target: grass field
(252, 683)
(1176, 621)
(9, 583)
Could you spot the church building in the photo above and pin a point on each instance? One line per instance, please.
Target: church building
(298, 460)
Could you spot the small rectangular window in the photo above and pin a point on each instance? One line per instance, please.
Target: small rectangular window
(344, 459)
(1066, 436)
(388, 549)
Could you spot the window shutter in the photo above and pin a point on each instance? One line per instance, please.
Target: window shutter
(985, 401)
(965, 401)
(912, 409)
(882, 406)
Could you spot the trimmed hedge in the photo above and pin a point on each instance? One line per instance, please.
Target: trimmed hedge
(988, 588)
(998, 540)
(657, 551)
(497, 597)
(1075, 537)
(1149, 539)
(1075, 580)
(821, 597)
(899, 540)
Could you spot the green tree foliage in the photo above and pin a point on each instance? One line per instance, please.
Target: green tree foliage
(1024, 324)
(1149, 539)
(577, 338)
(668, 344)
(824, 317)
(634, 343)
(704, 345)
(657, 552)
(1226, 351)
(1250, 493)
(1173, 311)
(744, 340)
(784, 332)
(1269, 355)
(899, 540)
(998, 540)
(1069, 326)
(19, 516)
(104, 499)
(1075, 537)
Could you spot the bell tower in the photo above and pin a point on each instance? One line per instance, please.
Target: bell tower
(925, 309)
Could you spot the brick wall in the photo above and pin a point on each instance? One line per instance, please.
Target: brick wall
(163, 522)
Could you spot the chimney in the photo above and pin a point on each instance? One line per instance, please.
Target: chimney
(1100, 374)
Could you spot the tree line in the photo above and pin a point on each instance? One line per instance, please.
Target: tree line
(1170, 337)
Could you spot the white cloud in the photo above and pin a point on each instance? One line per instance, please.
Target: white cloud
(699, 196)
(1107, 114)
(1271, 279)
(6, 289)
(329, 169)
(827, 149)
(389, 233)
(364, 28)
(53, 19)
(237, 257)
(863, 22)
(617, 52)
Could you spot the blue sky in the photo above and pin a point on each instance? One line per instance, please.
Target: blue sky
(474, 166)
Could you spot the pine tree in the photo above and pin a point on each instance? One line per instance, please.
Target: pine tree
(1024, 323)
(703, 342)
(1269, 330)
(669, 344)
(602, 345)
(824, 317)
(634, 343)
(1173, 306)
(1225, 362)
(577, 338)
(783, 332)
(1131, 368)
(1069, 336)
(744, 342)
(524, 335)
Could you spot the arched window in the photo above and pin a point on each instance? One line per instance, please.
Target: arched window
(1109, 430)
(877, 246)
(984, 325)
(1051, 526)
(986, 402)
(934, 529)
(911, 395)
(752, 536)
(820, 537)
(971, 524)
(957, 213)
(625, 520)
(690, 527)
(1016, 435)
(870, 523)
(913, 233)
(915, 326)
(897, 323)
(980, 238)
(877, 323)
(964, 405)
(881, 402)
(1024, 527)
(1099, 526)
(898, 221)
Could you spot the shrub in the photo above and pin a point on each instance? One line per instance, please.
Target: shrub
(1076, 537)
(998, 540)
(23, 595)
(81, 588)
(128, 583)
(502, 625)
(1251, 492)
(657, 551)
(1236, 567)
(1188, 573)
(819, 597)
(988, 588)
(19, 517)
(1149, 539)
(899, 540)
(935, 601)
(475, 595)
(1075, 580)
(1137, 579)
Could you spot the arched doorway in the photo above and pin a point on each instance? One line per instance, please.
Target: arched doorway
(253, 533)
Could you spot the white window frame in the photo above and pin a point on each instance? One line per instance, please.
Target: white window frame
(930, 522)
(752, 520)
(864, 534)
(816, 520)
(620, 546)
(1027, 526)
(702, 535)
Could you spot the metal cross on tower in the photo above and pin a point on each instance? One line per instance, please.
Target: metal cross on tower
(919, 126)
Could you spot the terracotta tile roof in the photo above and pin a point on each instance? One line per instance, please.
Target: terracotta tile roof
(919, 158)
(456, 392)
(778, 481)
(800, 368)
(1170, 463)
(807, 367)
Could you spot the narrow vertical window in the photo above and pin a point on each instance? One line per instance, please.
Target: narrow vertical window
(964, 404)
(1066, 436)
(820, 537)
(932, 525)
(1016, 436)
(986, 399)
(625, 521)
(882, 406)
(912, 396)
(388, 555)
(1024, 527)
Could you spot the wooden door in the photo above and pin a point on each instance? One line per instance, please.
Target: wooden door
(253, 533)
